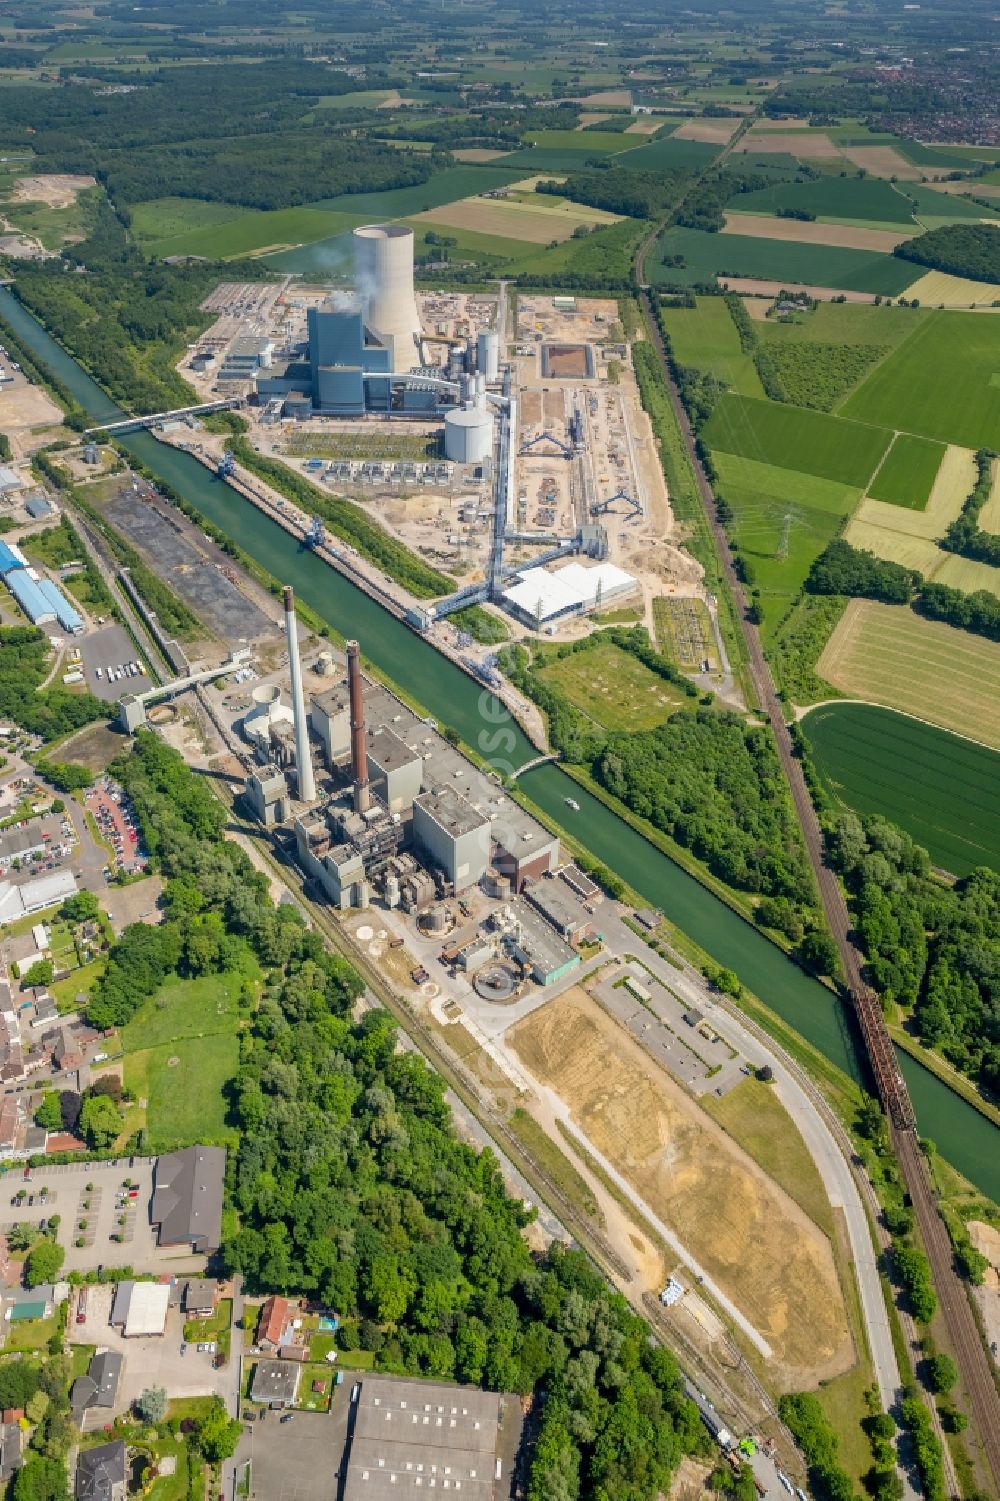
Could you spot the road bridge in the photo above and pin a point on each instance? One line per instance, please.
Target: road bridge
(133, 424)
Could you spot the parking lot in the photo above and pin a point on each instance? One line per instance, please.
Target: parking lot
(116, 823)
(153, 1361)
(68, 1195)
(111, 648)
(300, 1460)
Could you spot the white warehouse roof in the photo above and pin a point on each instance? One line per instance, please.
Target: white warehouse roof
(141, 1307)
(540, 595)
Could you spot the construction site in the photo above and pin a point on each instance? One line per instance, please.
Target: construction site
(493, 435)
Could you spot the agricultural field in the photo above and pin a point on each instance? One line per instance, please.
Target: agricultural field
(938, 287)
(795, 438)
(787, 262)
(613, 687)
(705, 336)
(251, 233)
(181, 1049)
(942, 383)
(908, 472)
(845, 323)
(166, 218)
(684, 632)
(911, 536)
(443, 187)
(941, 789)
(843, 199)
(807, 232)
(669, 151)
(536, 222)
(759, 1246)
(989, 516)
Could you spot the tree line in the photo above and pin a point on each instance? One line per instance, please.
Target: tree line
(50, 712)
(971, 250)
(845, 570)
(964, 535)
(351, 1188)
(932, 949)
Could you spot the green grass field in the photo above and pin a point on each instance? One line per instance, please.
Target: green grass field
(584, 143)
(944, 791)
(942, 383)
(613, 688)
(931, 204)
(163, 218)
(442, 187)
(908, 472)
(782, 520)
(786, 261)
(795, 438)
(181, 1050)
(705, 336)
(865, 199)
(845, 323)
(667, 152)
(256, 230)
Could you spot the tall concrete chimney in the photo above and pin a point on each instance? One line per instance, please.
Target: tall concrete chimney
(359, 751)
(303, 760)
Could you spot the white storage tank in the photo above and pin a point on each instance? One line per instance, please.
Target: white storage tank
(468, 435)
(488, 354)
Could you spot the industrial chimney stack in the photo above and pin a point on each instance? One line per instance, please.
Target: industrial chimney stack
(303, 760)
(359, 752)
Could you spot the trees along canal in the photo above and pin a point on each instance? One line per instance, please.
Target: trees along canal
(966, 1138)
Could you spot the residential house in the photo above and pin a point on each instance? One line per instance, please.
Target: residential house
(98, 1387)
(100, 1473)
(275, 1382)
(10, 1449)
(199, 1298)
(275, 1319)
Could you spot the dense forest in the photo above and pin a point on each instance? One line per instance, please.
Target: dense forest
(845, 570)
(637, 195)
(964, 249)
(931, 948)
(51, 713)
(706, 778)
(352, 1188)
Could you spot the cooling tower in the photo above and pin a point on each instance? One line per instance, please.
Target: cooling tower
(383, 261)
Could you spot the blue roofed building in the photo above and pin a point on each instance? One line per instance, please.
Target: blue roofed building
(8, 560)
(69, 618)
(29, 596)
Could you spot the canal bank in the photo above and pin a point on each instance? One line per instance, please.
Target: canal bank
(962, 1135)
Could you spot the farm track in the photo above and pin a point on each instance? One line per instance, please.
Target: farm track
(963, 1331)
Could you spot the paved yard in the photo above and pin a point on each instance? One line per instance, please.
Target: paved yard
(111, 647)
(67, 1186)
(300, 1460)
(148, 1362)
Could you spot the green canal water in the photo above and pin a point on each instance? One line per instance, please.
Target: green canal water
(963, 1136)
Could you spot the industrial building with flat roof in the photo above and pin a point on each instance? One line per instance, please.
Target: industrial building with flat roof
(540, 597)
(425, 793)
(412, 1437)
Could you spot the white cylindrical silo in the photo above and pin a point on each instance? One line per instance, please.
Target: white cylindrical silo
(383, 260)
(468, 435)
(488, 354)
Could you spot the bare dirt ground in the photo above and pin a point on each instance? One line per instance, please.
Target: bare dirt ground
(23, 408)
(751, 1238)
(689, 1482)
(886, 161)
(753, 286)
(850, 236)
(613, 98)
(646, 125)
(815, 145)
(593, 117)
(477, 154)
(57, 189)
(714, 132)
(986, 1238)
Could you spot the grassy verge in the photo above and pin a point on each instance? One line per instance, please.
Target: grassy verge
(539, 1145)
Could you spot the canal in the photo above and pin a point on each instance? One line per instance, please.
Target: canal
(966, 1138)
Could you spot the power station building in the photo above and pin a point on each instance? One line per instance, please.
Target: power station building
(405, 788)
(355, 338)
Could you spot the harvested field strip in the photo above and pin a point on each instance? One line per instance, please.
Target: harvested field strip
(800, 143)
(945, 800)
(536, 223)
(955, 477)
(754, 1241)
(716, 132)
(921, 553)
(989, 516)
(968, 575)
(937, 287)
(886, 161)
(887, 654)
(852, 237)
(795, 438)
(908, 471)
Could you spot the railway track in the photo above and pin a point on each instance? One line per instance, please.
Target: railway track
(976, 1373)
